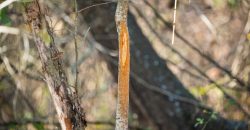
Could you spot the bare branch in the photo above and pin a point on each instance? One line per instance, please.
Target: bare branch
(174, 22)
(76, 48)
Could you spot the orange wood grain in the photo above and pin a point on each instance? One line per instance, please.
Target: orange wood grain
(124, 68)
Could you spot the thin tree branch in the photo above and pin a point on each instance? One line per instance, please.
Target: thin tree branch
(6, 3)
(76, 48)
(81, 10)
(174, 21)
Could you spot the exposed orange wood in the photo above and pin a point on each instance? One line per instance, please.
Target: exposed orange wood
(123, 76)
(68, 124)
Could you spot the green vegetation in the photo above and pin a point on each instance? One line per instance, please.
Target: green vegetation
(4, 18)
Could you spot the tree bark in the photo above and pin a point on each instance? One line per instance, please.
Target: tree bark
(155, 110)
(69, 111)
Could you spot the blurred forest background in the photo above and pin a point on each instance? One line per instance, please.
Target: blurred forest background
(201, 82)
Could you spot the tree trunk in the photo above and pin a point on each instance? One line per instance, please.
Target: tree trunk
(69, 111)
(124, 66)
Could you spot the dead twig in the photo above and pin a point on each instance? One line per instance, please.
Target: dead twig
(81, 10)
(174, 21)
(76, 48)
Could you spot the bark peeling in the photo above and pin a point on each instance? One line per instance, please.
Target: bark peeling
(124, 66)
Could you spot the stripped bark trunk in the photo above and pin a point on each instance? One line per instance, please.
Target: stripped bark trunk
(124, 66)
(69, 111)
